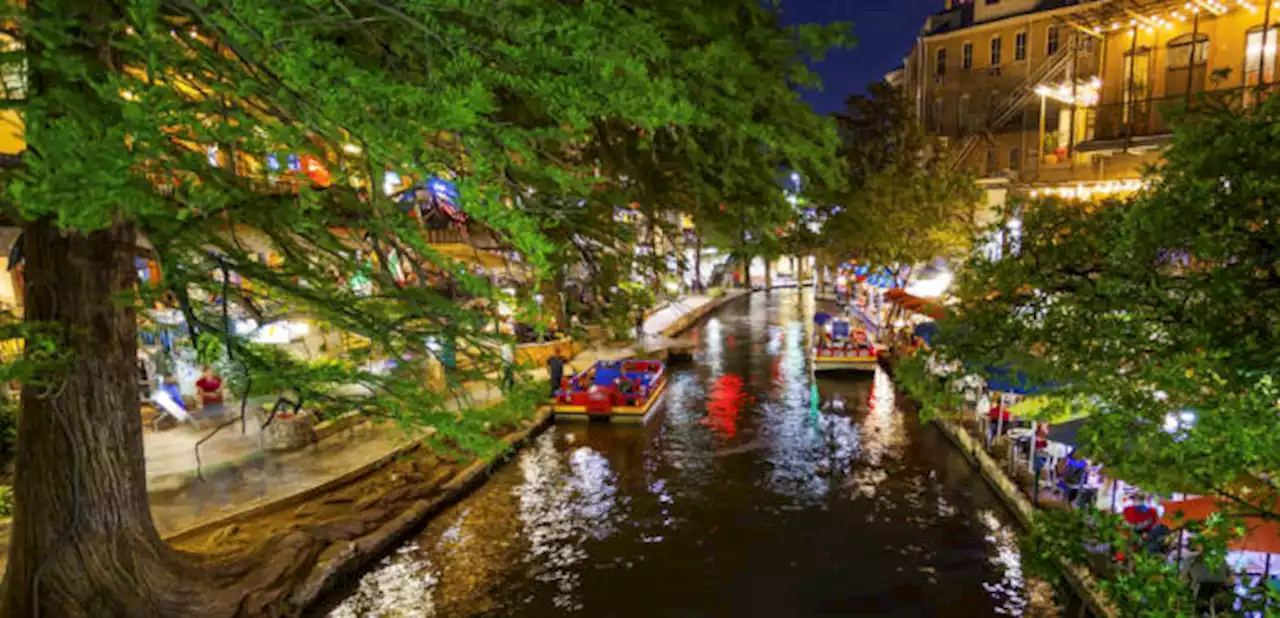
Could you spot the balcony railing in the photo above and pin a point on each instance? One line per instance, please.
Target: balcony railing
(1146, 118)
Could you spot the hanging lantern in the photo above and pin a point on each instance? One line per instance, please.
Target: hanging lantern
(316, 171)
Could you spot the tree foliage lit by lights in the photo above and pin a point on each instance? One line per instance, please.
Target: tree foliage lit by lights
(903, 204)
(155, 120)
(1166, 303)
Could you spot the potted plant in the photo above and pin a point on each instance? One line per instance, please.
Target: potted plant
(1051, 148)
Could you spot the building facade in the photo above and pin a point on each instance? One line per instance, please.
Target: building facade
(1073, 97)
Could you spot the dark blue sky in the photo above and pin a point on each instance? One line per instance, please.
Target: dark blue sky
(886, 29)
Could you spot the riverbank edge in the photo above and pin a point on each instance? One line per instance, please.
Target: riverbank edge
(1081, 581)
(328, 577)
(691, 319)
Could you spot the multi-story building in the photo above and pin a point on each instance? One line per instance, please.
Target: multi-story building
(1168, 55)
(1007, 84)
(1072, 97)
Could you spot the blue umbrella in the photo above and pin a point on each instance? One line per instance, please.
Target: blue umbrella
(926, 331)
(1005, 380)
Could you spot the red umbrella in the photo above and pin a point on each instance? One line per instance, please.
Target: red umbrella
(1260, 535)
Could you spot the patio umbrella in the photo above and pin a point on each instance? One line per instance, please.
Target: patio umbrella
(1067, 433)
(1260, 535)
(926, 331)
(1048, 410)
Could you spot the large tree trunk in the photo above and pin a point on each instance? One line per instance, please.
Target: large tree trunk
(83, 542)
(82, 529)
(768, 276)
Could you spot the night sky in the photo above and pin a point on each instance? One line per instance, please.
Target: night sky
(886, 30)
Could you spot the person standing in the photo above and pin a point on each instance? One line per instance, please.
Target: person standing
(508, 366)
(555, 369)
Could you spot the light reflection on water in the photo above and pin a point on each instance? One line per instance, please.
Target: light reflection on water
(757, 492)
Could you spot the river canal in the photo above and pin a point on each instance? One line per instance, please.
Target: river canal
(755, 493)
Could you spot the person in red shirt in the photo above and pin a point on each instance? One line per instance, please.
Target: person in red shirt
(209, 387)
(1141, 515)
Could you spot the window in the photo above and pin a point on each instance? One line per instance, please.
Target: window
(938, 110)
(992, 160)
(1183, 52)
(940, 65)
(995, 51)
(1260, 67)
(1136, 74)
(1020, 46)
(1187, 61)
(963, 114)
(1053, 42)
(966, 56)
(1015, 159)
(13, 74)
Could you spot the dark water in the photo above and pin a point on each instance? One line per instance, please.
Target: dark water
(746, 497)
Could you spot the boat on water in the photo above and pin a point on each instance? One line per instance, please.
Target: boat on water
(843, 345)
(623, 390)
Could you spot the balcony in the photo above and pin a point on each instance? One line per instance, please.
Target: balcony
(1149, 121)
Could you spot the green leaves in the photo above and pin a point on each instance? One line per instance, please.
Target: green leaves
(247, 141)
(902, 203)
(1164, 309)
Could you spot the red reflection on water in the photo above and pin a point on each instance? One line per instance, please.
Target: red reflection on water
(725, 404)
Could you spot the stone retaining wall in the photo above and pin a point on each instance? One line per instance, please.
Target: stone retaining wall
(1082, 582)
(687, 320)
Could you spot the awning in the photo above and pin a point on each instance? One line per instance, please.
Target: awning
(1260, 535)
(922, 306)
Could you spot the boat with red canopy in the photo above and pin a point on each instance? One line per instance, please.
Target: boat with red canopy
(613, 390)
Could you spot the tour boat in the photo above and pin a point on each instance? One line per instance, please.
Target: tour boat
(840, 346)
(612, 390)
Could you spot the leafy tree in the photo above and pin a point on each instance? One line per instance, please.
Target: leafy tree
(902, 204)
(1153, 306)
(174, 122)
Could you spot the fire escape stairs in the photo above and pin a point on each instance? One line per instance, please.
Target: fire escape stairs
(1052, 69)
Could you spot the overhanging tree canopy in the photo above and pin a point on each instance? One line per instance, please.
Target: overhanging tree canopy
(1164, 303)
(156, 119)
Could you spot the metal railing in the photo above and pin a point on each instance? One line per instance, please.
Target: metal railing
(1053, 67)
(1152, 117)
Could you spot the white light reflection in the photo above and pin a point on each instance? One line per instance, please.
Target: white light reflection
(400, 587)
(1009, 593)
(560, 509)
(713, 356)
(811, 449)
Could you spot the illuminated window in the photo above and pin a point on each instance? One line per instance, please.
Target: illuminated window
(1183, 52)
(13, 74)
(1255, 61)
